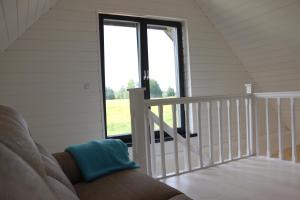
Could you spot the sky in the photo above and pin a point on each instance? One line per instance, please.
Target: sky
(121, 57)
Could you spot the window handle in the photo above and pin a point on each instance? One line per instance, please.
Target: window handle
(148, 75)
(145, 75)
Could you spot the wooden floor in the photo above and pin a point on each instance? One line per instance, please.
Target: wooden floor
(252, 178)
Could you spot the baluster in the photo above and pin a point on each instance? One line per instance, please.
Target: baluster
(175, 138)
(250, 127)
(280, 147)
(133, 131)
(187, 131)
(256, 127)
(247, 126)
(293, 131)
(220, 129)
(267, 128)
(238, 127)
(249, 121)
(153, 152)
(148, 139)
(229, 130)
(162, 140)
(200, 136)
(209, 120)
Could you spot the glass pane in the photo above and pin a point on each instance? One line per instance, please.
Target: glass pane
(121, 73)
(163, 66)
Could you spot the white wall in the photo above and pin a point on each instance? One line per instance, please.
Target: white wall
(265, 35)
(44, 72)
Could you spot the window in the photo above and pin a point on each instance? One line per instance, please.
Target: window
(138, 52)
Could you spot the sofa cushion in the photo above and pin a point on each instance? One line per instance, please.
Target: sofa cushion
(14, 135)
(19, 180)
(60, 190)
(53, 169)
(125, 185)
(28, 171)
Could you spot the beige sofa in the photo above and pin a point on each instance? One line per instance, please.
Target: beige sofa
(29, 171)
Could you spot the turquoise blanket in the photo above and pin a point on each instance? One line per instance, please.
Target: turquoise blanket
(101, 157)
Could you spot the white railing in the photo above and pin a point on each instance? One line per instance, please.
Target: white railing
(231, 114)
(276, 105)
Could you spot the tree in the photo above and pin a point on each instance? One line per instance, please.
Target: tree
(170, 92)
(130, 84)
(109, 93)
(122, 93)
(155, 90)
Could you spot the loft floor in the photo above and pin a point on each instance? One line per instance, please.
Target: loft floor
(252, 178)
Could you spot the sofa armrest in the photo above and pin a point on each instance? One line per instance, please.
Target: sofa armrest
(69, 167)
(180, 197)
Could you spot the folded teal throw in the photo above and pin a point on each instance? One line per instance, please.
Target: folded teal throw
(101, 157)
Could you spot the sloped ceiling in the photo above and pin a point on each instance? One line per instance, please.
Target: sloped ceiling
(265, 35)
(16, 16)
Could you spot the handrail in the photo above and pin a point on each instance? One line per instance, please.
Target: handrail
(182, 100)
(143, 121)
(289, 94)
(188, 146)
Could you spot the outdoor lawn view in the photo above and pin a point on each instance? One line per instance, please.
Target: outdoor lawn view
(117, 103)
(122, 71)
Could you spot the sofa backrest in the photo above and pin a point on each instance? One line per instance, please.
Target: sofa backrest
(28, 170)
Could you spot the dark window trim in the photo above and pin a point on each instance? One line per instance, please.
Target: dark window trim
(144, 63)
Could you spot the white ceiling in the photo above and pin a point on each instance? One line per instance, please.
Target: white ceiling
(265, 36)
(16, 16)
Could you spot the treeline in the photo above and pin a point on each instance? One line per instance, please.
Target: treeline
(122, 93)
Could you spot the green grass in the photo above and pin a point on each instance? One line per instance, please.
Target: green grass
(118, 116)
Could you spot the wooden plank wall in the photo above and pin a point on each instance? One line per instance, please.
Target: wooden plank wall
(265, 36)
(43, 73)
(16, 16)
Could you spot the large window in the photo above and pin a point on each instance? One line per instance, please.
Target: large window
(138, 52)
